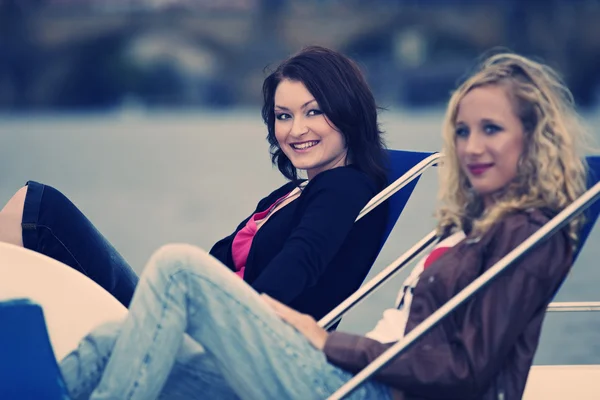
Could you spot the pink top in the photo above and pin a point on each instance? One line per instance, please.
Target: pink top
(240, 247)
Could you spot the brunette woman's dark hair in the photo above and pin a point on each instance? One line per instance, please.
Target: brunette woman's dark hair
(343, 95)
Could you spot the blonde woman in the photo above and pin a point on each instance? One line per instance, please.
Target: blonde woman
(510, 139)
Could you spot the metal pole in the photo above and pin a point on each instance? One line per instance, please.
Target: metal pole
(574, 306)
(399, 183)
(365, 290)
(543, 233)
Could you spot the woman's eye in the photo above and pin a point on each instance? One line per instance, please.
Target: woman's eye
(283, 116)
(314, 112)
(461, 131)
(490, 129)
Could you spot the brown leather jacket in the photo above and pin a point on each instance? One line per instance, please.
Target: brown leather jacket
(483, 350)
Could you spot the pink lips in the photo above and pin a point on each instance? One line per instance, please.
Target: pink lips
(478, 169)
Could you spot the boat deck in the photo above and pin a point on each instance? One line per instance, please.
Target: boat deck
(563, 382)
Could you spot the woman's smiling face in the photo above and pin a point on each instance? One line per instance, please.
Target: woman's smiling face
(489, 139)
(303, 131)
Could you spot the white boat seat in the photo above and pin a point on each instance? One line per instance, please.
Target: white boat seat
(73, 304)
(562, 382)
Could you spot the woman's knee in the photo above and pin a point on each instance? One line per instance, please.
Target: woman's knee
(177, 258)
(54, 196)
(33, 194)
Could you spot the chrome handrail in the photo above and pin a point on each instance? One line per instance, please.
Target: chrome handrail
(365, 290)
(574, 306)
(551, 227)
(399, 183)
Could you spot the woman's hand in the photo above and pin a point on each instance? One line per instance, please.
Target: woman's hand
(305, 324)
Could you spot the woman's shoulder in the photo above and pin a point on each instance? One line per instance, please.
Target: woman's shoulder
(531, 219)
(278, 193)
(348, 177)
(516, 227)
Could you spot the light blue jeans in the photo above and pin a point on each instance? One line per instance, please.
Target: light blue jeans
(197, 331)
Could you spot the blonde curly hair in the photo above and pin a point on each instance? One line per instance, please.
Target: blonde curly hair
(552, 170)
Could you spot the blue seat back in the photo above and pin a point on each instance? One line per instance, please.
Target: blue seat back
(28, 368)
(592, 212)
(403, 160)
(400, 161)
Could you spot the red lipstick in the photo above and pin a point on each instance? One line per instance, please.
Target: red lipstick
(478, 169)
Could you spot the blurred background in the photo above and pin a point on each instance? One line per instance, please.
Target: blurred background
(102, 54)
(146, 113)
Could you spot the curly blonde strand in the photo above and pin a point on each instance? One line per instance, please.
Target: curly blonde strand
(552, 172)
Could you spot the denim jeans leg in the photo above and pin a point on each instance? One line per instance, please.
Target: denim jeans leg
(195, 372)
(82, 369)
(184, 289)
(52, 225)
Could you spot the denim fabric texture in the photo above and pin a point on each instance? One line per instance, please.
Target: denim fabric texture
(197, 331)
(52, 225)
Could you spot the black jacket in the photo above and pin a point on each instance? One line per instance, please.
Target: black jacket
(310, 254)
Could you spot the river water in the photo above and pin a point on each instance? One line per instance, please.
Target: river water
(149, 178)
